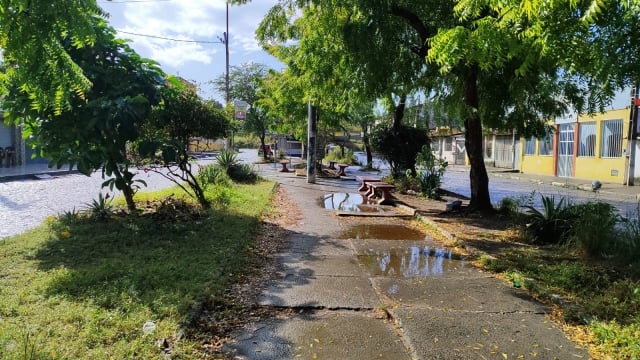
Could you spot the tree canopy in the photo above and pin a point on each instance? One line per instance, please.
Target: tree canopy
(94, 132)
(35, 38)
(493, 64)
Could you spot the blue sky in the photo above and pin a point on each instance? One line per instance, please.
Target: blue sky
(191, 20)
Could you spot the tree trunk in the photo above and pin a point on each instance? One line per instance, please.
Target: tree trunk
(265, 156)
(126, 189)
(398, 114)
(367, 145)
(480, 199)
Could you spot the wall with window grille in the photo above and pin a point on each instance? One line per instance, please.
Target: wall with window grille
(598, 147)
(602, 143)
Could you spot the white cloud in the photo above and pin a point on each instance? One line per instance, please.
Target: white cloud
(192, 20)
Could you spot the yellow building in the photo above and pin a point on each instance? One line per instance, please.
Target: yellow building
(589, 147)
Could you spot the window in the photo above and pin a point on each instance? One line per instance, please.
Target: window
(448, 144)
(530, 146)
(611, 138)
(435, 144)
(587, 139)
(546, 144)
(488, 148)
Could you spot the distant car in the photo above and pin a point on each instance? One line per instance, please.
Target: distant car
(266, 149)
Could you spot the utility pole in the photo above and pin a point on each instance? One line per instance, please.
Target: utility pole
(226, 46)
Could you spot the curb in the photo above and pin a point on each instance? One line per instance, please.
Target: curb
(33, 176)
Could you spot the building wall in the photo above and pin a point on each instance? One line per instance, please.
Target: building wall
(595, 167)
(599, 167)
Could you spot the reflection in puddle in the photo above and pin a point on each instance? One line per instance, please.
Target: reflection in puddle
(349, 202)
(383, 232)
(415, 261)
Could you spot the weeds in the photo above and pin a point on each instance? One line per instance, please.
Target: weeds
(101, 208)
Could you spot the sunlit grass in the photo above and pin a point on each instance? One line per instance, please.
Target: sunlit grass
(82, 288)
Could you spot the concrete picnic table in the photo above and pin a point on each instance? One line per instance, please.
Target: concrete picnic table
(284, 165)
(385, 195)
(342, 168)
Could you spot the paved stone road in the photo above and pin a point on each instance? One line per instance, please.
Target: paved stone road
(25, 204)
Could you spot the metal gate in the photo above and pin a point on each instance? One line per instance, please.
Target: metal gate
(461, 153)
(503, 153)
(565, 150)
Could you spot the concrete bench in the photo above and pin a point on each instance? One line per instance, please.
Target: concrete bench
(384, 188)
(364, 180)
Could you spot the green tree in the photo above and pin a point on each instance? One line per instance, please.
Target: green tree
(36, 38)
(180, 116)
(485, 61)
(245, 82)
(94, 133)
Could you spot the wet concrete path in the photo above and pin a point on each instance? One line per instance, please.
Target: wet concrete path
(362, 291)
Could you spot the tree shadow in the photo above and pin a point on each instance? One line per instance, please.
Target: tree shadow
(138, 260)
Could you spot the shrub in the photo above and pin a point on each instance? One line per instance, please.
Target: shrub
(341, 155)
(238, 172)
(628, 245)
(243, 173)
(403, 183)
(213, 174)
(429, 172)
(592, 227)
(226, 159)
(398, 146)
(101, 208)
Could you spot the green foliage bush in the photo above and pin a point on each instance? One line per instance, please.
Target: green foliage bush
(628, 244)
(343, 157)
(226, 159)
(403, 183)
(429, 172)
(593, 227)
(399, 147)
(243, 173)
(213, 174)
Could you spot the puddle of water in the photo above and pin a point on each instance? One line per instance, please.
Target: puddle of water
(414, 261)
(349, 202)
(383, 232)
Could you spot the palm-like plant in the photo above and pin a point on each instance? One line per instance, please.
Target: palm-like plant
(227, 159)
(552, 223)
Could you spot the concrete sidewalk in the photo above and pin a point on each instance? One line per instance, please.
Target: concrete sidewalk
(371, 287)
(31, 171)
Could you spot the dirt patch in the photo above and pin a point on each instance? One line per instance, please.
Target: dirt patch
(489, 233)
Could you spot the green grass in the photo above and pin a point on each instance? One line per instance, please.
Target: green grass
(602, 296)
(80, 288)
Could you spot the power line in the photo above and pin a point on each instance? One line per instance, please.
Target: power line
(130, 1)
(172, 39)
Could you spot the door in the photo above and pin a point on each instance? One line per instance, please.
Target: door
(516, 155)
(461, 152)
(565, 150)
(503, 153)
